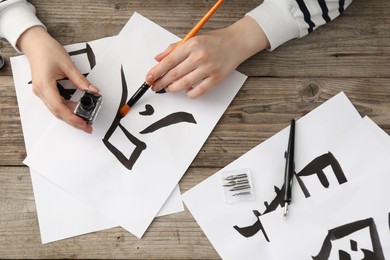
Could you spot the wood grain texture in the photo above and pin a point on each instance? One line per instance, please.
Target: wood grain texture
(172, 237)
(351, 54)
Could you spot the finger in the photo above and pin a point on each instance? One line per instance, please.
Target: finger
(65, 113)
(36, 90)
(188, 81)
(185, 67)
(55, 103)
(200, 89)
(70, 104)
(76, 121)
(169, 62)
(162, 55)
(78, 79)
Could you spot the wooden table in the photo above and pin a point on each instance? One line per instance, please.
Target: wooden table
(351, 54)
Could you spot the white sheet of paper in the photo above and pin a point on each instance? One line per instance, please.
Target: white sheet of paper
(88, 170)
(314, 134)
(60, 215)
(354, 211)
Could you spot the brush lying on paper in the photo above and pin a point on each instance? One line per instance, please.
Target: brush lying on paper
(238, 186)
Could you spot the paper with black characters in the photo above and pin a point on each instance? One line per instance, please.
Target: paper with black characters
(128, 167)
(53, 204)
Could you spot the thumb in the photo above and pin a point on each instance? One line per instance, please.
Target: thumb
(79, 80)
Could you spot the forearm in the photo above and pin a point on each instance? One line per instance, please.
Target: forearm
(33, 40)
(246, 38)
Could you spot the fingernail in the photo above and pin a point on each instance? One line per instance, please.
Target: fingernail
(78, 125)
(157, 56)
(149, 79)
(93, 88)
(88, 130)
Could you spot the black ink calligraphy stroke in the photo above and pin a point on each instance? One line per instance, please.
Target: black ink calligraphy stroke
(252, 230)
(315, 167)
(139, 145)
(149, 110)
(347, 229)
(171, 119)
(90, 55)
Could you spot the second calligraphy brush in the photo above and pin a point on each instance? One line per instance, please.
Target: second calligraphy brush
(144, 87)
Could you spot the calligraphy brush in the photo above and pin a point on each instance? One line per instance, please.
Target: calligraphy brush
(144, 87)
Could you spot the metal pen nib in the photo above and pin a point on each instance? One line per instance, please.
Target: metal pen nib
(285, 211)
(289, 169)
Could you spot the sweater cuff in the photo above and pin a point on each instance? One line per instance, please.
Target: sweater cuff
(277, 21)
(15, 20)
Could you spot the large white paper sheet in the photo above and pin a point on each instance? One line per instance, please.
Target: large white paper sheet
(349, 220)
(61, 215)
(164, 132)
(315, 132)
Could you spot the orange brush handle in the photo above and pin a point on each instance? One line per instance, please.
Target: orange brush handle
(126, 107)
(200, 24)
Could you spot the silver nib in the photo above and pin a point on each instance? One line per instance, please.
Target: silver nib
(285, 211)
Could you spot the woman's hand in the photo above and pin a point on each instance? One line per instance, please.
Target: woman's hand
(50, 62)
(205, 60)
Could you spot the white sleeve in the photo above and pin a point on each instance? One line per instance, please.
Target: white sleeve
(16, 16)
(284, 20)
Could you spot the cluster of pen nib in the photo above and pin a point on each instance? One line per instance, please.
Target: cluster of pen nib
(239, 184)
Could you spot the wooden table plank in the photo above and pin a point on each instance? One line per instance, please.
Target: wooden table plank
(356, 44)
(171, 237)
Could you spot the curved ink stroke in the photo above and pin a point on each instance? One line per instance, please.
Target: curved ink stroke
(161, 91)
(139, 145)
(277, 201)
(252, 230)
(171, 119)
(90, 55)
(149, 110)
(117, 119)
(347, 229)
(124, 90)
(316, 167)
